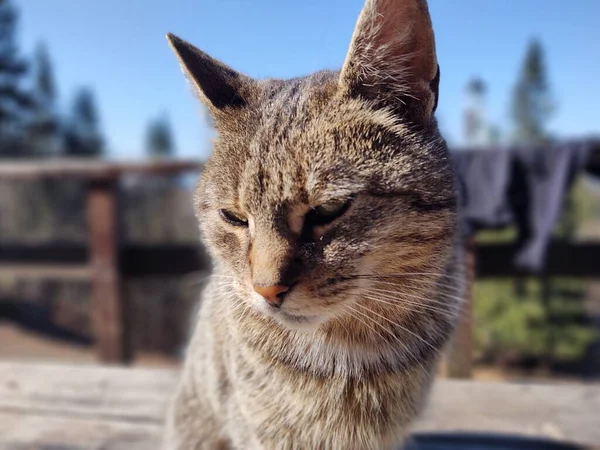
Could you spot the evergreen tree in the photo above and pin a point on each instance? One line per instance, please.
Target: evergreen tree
(43, 132)
(532, 104)
(159, 190)
(159, 139)
(82, 135)
(478, 131)
(14, 102)
(495, 135)
(45, 83)
(474, 113)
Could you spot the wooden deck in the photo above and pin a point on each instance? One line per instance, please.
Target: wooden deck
(92, 407)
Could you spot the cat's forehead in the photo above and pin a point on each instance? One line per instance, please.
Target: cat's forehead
(281, 174)
(303, 143)
(306, 120)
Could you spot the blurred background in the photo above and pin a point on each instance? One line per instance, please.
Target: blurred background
(95, 83)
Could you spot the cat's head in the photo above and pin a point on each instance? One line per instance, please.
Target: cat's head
(319, 186)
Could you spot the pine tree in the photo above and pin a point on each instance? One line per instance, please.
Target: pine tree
(159, 138)
(533, 107)
(82, 135)
(474, 120)
(159, 190)
(14, 102)
(43, 131)
(495, 135)
(532, 103)
(45, 83)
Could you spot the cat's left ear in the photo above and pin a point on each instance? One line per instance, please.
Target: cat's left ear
(392, 57)
(220, 88)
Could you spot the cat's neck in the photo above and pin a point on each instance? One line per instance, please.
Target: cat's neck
(327, 351)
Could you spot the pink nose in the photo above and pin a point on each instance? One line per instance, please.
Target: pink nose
(272, 294)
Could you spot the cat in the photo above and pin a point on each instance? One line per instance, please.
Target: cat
(329, 207)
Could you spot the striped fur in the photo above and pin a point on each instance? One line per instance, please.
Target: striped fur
(347, 361)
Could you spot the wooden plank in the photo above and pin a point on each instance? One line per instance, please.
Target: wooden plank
(85, 407)
(459, 357)
(92, 392)
(43, 253)
(561, 412)
(86, 169)
(134, 260)
(108, 309)
(565, 259)
(139, 260)
(133, 397)
(493, 260)
(53, 272)
(33, 432)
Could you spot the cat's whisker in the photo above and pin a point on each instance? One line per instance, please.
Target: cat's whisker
(456, 313)
(349, 310)
(222, 282)
(400, 299)
(215, 275)
(245, 312)
(422, 293)
(388, 331)
(426, 299)
(222, 288)
(428, 282)
(396, 324)
(414, 307)
(245, 308)
(408, 274)
(418, 282)
(195, 282)
(346, 329)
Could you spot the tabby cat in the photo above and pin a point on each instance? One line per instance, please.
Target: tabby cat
(330, 210)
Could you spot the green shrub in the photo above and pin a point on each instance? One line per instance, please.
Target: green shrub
(509, 326)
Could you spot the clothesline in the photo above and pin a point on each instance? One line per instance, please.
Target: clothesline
(522, 186)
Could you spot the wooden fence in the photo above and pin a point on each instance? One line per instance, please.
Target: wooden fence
(105, 263)
(103, 260)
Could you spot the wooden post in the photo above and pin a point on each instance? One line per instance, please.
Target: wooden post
(459, 359)
(108, 309)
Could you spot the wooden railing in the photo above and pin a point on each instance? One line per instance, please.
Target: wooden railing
(102, 261)
(105, 262)
(579, 259)
(566, 259)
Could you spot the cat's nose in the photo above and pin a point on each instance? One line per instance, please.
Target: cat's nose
(272, 294)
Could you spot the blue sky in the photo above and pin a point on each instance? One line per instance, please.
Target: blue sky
(118, 48)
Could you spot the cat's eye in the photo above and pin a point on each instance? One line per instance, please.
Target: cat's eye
(327, 212)
(233, 218)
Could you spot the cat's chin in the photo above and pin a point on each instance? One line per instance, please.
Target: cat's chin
(292, 321)
(297, 322)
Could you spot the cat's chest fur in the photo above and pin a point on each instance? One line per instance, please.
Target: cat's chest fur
(264, 399)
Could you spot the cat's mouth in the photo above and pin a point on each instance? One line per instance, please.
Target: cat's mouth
(296, 321)
(295, 318)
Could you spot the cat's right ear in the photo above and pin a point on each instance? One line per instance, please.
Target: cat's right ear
(221, 88)
(392, 58)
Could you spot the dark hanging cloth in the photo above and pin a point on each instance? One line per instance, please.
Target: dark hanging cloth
(547, 173)
(483, 177)
(521, 185)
